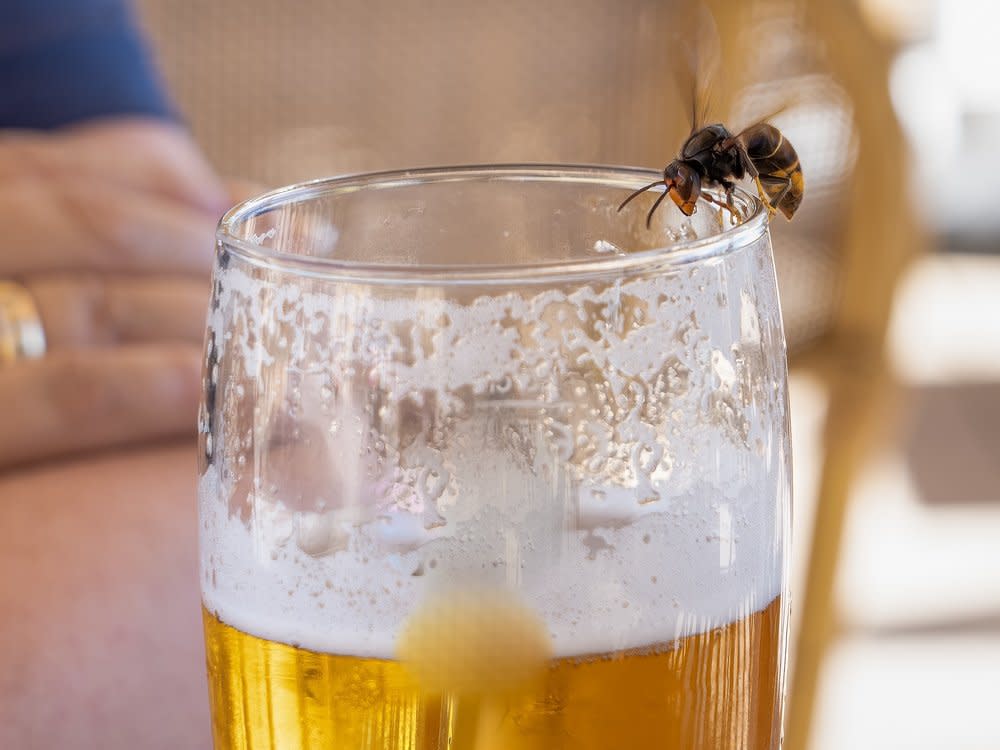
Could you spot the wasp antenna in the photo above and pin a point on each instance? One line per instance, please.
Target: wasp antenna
(656, 205)
(639, 192)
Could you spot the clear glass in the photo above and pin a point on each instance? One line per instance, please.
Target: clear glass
(486, 463)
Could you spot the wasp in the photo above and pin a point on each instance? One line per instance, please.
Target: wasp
(712, 156)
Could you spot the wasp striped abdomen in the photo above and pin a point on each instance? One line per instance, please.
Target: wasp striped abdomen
(777, 165)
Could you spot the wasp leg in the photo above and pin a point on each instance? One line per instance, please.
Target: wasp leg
(727, 206)
(729, 186)
(741, 149)
(764, 197)
(751, 171)
(786, 185)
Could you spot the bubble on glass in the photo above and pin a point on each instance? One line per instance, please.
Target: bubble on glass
(576, 415)
(604, 247)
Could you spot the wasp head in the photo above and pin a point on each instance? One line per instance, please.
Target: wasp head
(683, 185)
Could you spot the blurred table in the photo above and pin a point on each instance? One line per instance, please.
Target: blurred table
(100, 629)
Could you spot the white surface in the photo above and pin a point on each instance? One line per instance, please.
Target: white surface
(907, 564)
(946, 321)
(911, 694)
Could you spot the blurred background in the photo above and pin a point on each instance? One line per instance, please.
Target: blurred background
(889, 275)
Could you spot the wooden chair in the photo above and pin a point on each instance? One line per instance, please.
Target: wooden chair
(281, 92)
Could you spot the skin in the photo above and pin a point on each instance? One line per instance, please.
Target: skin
(100, 631)
(110, 226)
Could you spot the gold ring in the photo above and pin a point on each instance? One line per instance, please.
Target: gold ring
(21, 332)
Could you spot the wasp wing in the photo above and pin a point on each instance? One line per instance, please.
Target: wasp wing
(693, 48)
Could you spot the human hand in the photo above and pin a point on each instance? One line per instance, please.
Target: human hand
(110, 228)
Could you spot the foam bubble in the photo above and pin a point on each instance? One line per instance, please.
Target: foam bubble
(707, 562)
(613, 454)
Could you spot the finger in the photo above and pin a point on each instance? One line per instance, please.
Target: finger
(73, 401)
(240, 190)
(69, 223)
(138, 153)
(94, 310)
(164, 158)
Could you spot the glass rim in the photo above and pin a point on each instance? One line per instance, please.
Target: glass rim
(672, 253)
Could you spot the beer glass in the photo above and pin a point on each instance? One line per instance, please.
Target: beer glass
(487, 464)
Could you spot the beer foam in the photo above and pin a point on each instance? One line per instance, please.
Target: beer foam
(614, 454)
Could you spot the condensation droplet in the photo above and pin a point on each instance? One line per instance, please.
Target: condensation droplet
(603, 247)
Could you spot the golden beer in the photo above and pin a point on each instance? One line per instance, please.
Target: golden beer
(717, 690)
